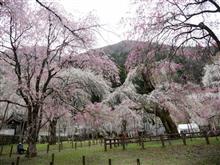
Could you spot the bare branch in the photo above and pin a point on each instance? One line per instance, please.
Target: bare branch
(12, 102)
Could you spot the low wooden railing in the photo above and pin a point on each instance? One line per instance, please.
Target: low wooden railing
(123, 141)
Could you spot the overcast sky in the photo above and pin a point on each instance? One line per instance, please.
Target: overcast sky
(109, 13)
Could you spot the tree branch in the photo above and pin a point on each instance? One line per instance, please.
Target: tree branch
(12, 102)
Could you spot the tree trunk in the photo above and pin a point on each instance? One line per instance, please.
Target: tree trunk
(52, 125)
(4, 116)
(164, 116)
(32, 130)
(32, 149)
(167, 121)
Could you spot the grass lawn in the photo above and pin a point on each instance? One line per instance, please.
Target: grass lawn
(195, 152)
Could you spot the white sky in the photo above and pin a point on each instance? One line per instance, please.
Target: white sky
(109, 13)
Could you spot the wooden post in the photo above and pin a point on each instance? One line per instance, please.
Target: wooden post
(59, 147)
(109, 162)
(84, 160)
(52, 159)
(168, 138)
(1, 151)
(48, 148)
(75, 145)
(89, 143)
(139, 140)
(59, 134)
(142, 143)
(105, 145)
(169, 141)
(190, 136)
(110, 141)
(123, 142)
(184, 138)
(12, 163)
(207, 138)
(114, 142)
(10, 153)
(17, 160)
(138, 162)
(162, 140)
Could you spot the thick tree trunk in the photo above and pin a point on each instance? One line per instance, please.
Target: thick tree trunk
(147, 77)
(32, 130)
(32, 149)
(52, 125)
(167, 121)
(3, 119)
(164, 116)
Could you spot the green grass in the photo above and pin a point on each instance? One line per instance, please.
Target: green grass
(195, 152)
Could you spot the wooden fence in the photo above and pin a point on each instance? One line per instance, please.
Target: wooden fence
(52, 162)
(123, 141)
